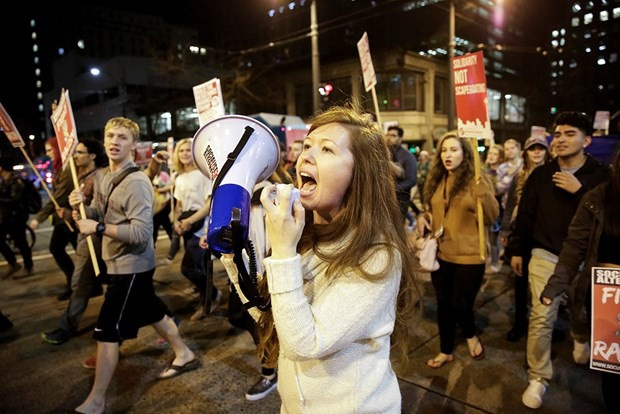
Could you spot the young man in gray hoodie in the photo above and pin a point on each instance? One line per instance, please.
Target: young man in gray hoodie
(121, 214)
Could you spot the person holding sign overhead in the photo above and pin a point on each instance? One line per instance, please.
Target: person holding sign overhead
(452, 193)
(593, 239)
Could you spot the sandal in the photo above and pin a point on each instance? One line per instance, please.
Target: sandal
(480, 355)
(439, 360)
(175, 370)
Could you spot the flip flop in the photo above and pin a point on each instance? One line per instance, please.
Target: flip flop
(176, 370)
(481, 354)
(438, 363)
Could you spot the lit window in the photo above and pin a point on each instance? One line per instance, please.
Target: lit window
(587, 35)
(600, 87)
(33, 23)
(36, 60)
(604, 15)
(554, 74)
(34, 35)
(602, 47)
(291, 5)
(562, 32)
(39, 95)
(80, 44)
(616, 12)
(574, 21)
(562, 42)
(37, 72)
(61, 51)
(554, 64)
(590, 5)
(271, 13)
(600, 61)
(572, 64)
(203, 51)
(515, 109)
(587, 18)
(493, 99)
(39, 84)
(35, 48)
(576, 7)
(561, 63)
(554, 43)
(41, 108)
(588, 50)
(555, 33)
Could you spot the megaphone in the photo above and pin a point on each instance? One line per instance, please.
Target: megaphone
(235, 152)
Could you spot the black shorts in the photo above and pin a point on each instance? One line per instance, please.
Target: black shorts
(130, 303)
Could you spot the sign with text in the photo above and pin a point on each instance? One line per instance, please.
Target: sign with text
(209, 101)
(605, 336)
(9, 128)
(601, 120)
(538, 132)
(368, 70)
(64, 126)
(144, 153)
(470, 90)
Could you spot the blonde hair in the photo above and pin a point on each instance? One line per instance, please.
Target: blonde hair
(176, 163)
(121, 122)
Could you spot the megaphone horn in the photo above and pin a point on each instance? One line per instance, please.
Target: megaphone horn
(235, 152)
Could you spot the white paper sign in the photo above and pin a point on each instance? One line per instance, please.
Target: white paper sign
(209, 102)
(7, 125)
(601, 120)
(368, 70)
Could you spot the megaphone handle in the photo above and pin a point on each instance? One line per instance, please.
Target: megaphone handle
(232, 157)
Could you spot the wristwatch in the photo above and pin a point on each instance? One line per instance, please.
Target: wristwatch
(100, 229)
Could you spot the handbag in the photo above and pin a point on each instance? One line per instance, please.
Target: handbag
(426, 253)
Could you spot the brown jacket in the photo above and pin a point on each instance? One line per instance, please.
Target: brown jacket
(459, 243)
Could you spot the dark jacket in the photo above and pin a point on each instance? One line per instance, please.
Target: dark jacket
(580, 247)
(11, 203)
(545, 210)
(63, 185)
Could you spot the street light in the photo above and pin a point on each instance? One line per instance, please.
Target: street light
(316, 69)
(96, 72)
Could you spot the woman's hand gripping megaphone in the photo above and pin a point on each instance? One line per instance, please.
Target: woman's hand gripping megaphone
(285, 219)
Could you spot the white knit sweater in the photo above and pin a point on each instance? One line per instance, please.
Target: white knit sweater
(334, 335)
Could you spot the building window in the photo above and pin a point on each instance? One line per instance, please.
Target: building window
(515, 109)
(574, 21)
(604, 15)
(187, 119)
(587, 18)
(400, 91)
(494, 100)
(616, 12)
(576, 7)
(441, 93)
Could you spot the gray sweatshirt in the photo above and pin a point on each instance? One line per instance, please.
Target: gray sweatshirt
(130, 208)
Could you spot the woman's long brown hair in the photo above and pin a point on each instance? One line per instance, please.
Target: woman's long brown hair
(370, 220)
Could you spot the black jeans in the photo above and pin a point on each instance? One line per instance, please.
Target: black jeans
(456, 287)
(61, 236)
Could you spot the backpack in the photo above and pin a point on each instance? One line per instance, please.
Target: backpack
(31, 199)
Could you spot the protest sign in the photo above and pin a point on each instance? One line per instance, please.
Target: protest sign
(144, 153)
(470, 90)
(9, 128)
(605, 336)
(64, 126)
(209, 101)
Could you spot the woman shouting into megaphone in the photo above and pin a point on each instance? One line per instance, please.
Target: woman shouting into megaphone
(340, 276)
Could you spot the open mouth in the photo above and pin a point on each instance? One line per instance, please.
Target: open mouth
(308, 183)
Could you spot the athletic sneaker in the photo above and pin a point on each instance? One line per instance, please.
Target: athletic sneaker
(532, 397)
(262, 388)
(56, 337)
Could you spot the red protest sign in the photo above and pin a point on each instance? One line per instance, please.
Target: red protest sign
(470, 91)
(64, 126)
(605, 336)
(7, 125)
(144, 153)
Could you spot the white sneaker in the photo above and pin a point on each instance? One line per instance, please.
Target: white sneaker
(581, 352)
(532, 397)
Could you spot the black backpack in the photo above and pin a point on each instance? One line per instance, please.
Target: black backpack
(31, 199)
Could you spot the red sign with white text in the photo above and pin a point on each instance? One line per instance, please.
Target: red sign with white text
(64, 126)
(470, 91)
(9, 128)
(605, 336)
(144, 153)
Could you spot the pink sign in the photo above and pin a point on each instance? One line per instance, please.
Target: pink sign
(470, 90)
(144, 153)
(7, 125)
